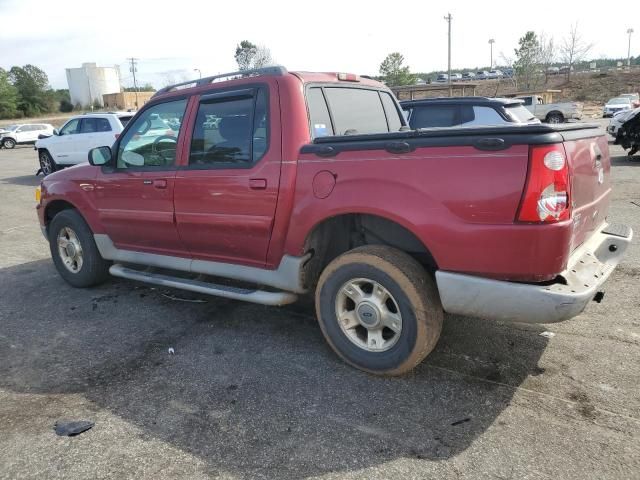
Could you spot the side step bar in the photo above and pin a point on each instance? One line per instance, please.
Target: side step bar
(236, 293)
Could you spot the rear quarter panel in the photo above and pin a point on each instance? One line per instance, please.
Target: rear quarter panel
(460, 201)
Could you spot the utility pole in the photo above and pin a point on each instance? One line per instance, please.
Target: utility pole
(629, 31)
(448, 19)
(491, 42)
(133, 69)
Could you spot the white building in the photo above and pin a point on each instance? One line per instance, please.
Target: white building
(89, 82)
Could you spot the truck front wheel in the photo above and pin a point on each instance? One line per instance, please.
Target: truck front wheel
(379, 309)
(74, 250)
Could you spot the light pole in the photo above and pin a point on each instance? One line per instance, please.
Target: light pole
(199, 72)
(629, 31)
(491, 42)
(448, 19)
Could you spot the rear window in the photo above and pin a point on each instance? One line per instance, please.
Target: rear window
(520, 114)
(356, 111)
(351, 111)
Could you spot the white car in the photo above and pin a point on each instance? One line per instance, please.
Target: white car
(618, 119)
(616, 105)
(22, 134)
(71, 144)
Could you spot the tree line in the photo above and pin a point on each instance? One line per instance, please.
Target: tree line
(25, 92)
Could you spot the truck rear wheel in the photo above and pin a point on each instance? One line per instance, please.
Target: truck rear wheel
(379, 309)
(555, 118)
(74, 250)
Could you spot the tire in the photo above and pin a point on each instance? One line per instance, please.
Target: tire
(412, 294)
(91, 269)
(9, 143)
(555, 118)
(47, 164)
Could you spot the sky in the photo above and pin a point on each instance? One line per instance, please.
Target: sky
(172, 38)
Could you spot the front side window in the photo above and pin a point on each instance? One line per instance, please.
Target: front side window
(230, 132)
(70, 127)
(151, 141)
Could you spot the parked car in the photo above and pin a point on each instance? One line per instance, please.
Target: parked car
(552, 112)
(468, 76)
(616, 105)
(456, 77)
(310, 184)
(23, 134)
(628, 134)
(553, 70)
(442, 78)
(482, 75)
(619, 119)
(635, 98)
(71, 144)
(495, 74)
(465, 111)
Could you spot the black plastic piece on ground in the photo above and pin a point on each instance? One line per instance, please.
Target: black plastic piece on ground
(71, 429)
(598, 297)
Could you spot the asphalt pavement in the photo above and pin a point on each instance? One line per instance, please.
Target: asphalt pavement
(254, 392)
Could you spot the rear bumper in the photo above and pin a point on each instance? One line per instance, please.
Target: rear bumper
(588, 268)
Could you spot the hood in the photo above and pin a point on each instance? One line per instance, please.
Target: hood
(80, 172)
(617, 105)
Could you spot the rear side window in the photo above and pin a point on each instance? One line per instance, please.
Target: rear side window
(230, 133)
(519, 113)
(433, 116)
(356, 111)
(318, 114)
(479, 115)
(95, 125)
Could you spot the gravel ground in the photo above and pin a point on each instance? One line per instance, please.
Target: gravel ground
(254, 392)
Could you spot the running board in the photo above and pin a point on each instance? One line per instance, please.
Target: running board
(236, 293)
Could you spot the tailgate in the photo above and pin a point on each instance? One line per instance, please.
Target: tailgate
(590, 167)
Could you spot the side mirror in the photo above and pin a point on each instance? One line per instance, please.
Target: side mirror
(99, 156)
(56, 131)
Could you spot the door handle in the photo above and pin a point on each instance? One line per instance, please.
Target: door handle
(258, 183)
(160, 183)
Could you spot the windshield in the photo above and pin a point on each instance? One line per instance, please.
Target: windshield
(619, 101)
(9, 128)
(520, 114)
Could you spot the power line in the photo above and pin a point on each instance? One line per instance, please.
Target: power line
(133, 70)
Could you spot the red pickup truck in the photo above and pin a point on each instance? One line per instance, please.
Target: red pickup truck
(264, 185)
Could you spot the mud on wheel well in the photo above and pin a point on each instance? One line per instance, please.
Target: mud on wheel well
(337, 235)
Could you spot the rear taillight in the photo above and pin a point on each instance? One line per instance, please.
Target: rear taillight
(546, 195)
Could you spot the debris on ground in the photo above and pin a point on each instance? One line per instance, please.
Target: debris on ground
(547, 334)
(71, 429)
(181, 299)
(171, 351)
(459, 422)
